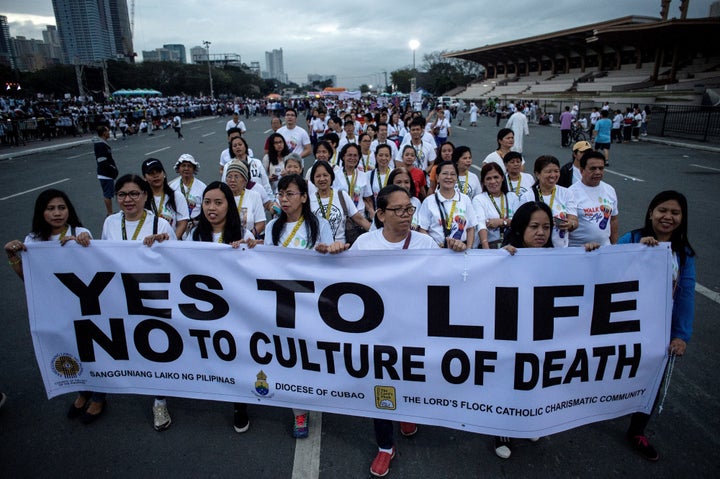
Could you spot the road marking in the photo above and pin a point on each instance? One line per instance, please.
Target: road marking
(479, 168)
(624, 176)
(268, 131)
(34, 189)
(196, 127)
(306, 464)
(459, 127)
(208, 134)
(78, 156)
(708, 293)
(155, 151)
(705, 167)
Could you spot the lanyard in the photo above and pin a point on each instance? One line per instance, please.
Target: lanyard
(381, 183)
(366, 162)
(464, 187)
(242, 197)
(220, 239)
(501, 211)
(325, 211)
(351, 186)
(292, 233)
(552, 197)
(137, 228)
(517, 188)
(64, 232)
(160, 206)
(182, 188)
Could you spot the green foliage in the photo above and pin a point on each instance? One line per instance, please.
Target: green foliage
(168, 77)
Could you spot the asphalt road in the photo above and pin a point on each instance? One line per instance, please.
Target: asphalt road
(38, 441)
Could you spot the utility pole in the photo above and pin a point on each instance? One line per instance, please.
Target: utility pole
(207, 47)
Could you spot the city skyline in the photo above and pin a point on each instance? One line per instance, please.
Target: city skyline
(356, 46)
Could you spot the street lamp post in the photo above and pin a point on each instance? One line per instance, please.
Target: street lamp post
(207, 47)
(414, 44)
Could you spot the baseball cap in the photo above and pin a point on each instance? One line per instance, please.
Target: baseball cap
(582, 146)
(152, 164)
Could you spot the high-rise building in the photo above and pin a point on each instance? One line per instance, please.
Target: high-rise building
(30, 54)
(179, 49)
(160, 55)
(274, 65)
(52, 39)
(6, 53)
(198, 54)
(93, 30)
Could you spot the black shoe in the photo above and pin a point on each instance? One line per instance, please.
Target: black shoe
(642, 446)
(87, 418)
(242, 422)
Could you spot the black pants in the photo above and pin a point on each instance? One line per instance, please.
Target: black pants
(564, 137)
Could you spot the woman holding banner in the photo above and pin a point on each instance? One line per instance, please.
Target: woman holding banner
(298, 227)
(394, 220)
(666, 221)
(135, 223)
(219, 222)
(55, 219)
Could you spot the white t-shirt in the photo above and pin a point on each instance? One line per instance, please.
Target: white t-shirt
(232, 124)
(390, 143)
(595, 206)
(562, 205)
(167, 213)
(301, 239)
(507, 203)
(374, 240)
(251, 211)
(225, 157)
(361, 190)
(335, 216)
(295, 138)
(378, 180)
(112, 228)
(31, 238)
(193, 195)
(463, 216)
(468, 184)
(424, 154)
(247, 235)
(523, 184)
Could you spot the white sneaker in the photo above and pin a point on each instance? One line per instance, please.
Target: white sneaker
(502, 447)
(161, 417)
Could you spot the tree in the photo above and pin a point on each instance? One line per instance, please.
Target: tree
(401, 79)
(364, 88)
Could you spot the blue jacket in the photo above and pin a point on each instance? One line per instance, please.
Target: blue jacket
(683, 312)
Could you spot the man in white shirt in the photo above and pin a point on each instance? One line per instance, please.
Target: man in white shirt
(597, 205)
(236, 122)
(382, 130)
(297, 139)
(424, 152)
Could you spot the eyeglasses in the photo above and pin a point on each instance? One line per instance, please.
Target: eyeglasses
(400, 211)
(132, 194)
(288, 194)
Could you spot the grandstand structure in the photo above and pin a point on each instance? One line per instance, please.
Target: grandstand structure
(633, 58)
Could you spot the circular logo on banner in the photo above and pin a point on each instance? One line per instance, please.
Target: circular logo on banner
(66, 366)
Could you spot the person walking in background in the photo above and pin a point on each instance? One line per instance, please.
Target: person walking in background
(106, 168)
(177, 126)
(518, 123)
(566, 119)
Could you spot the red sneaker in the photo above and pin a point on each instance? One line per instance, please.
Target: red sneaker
(408, 429)
(381, 464)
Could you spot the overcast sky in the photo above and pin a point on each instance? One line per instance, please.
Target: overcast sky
(354, 40)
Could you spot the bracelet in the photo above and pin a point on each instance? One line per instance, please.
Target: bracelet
(15, 263)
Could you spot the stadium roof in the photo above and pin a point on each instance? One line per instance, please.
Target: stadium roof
(636, 31)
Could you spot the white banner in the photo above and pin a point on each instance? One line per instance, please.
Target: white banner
(521, 346)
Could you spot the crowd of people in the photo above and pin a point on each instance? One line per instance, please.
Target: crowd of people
(382, 178)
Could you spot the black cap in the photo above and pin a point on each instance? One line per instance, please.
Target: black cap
(152, 164)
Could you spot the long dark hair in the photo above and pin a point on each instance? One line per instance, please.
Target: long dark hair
(520, 222)
(233, 230)
(487, 168)
(169, 194)
(273, 156)
(382, 200)
(40, 228)
(678, 240)
(312, 225)
(402, 170)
